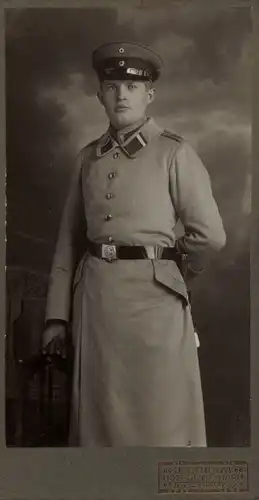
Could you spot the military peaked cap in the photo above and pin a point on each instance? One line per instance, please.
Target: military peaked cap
(126, 61)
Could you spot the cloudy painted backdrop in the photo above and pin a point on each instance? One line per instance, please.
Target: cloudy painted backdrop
(204, 94)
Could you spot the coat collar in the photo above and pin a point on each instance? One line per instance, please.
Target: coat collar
(130, 140)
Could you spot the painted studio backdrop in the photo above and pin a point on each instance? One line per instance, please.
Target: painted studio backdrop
(52, 111)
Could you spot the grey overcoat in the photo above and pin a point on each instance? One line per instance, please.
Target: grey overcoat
(136, 371)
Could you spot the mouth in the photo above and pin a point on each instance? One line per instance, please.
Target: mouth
(121, 108)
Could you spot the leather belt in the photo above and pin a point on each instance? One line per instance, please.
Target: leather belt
(111, 252)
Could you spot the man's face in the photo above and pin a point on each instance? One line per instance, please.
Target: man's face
(126, 101)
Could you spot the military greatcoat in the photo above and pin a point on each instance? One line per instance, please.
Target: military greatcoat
(136, 371)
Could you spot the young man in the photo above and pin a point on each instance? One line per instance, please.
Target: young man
(136, 373)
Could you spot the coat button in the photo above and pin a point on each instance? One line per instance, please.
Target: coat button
(111, 175)
(109, 196)
(108, 217)
(116, 155)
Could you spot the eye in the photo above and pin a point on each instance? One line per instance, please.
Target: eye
(132, 86)
(110, 86)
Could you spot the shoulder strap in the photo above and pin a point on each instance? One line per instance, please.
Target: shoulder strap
(172, 135)
(86, 150)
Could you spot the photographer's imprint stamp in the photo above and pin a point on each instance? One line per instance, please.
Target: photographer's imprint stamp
(203, 477)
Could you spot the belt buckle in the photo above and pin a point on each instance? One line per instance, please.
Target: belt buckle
(109, 252)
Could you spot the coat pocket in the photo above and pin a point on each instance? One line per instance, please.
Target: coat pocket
(168, 274)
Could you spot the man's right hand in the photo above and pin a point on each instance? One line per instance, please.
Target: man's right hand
(54, 339)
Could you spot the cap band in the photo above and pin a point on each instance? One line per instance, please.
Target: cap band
(125, 74)
(126, 68)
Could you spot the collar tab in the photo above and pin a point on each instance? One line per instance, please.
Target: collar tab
(105, 145)
(135, 144)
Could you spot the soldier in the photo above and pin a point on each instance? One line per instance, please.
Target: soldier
(136, 372)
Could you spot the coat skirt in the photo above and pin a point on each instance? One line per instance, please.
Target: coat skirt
(136, 359)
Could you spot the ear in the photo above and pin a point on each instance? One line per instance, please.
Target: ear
(100, 96)
(151, 95)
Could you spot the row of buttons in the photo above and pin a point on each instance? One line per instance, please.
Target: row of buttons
(111, 175)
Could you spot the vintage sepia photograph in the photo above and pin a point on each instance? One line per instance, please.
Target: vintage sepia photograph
(128, 225)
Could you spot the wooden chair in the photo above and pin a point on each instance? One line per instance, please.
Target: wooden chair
(44, 368)
(37, 385)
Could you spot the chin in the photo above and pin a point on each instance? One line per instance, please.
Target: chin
(123, 121)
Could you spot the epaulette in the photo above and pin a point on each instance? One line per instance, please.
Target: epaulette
(86, 150)
(172, 135)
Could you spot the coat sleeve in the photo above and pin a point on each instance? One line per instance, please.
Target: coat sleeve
(67, 251)
(192, 197)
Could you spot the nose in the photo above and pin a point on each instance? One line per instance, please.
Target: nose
(121, 92)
